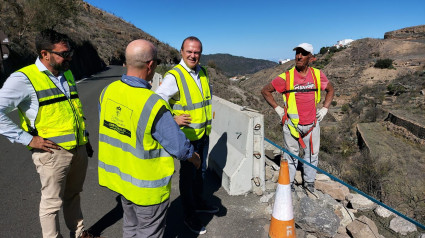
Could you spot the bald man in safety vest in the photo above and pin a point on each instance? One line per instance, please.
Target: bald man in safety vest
(138, 139)
(300, 88)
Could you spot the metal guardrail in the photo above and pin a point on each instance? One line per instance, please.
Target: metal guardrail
(350, 187)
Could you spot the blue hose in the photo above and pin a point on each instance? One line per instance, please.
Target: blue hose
(349, 186)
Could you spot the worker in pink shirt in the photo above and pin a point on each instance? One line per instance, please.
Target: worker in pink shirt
(301, 87)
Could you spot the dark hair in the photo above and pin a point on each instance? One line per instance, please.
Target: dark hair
(192, 38)
(47, 38)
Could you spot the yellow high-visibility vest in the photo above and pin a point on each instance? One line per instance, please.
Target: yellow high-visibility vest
(193, 102)
(131, 162)
(290, 104)
(59, 118)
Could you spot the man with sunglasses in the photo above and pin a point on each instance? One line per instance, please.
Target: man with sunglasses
(53, 128)
(300, 88)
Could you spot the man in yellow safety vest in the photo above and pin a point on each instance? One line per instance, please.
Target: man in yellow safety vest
(300, 87)
(186, 87)
(138, 139)
(52, 126)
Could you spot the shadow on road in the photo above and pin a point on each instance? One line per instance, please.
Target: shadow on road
(103, 77)
(108, 219)
(112, 71)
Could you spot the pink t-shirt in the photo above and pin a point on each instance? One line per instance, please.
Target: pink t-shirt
(305, 100)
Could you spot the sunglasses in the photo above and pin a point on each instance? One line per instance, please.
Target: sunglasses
(303, 52)
(63, 54)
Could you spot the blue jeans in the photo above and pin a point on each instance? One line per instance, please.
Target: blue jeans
(192, 180)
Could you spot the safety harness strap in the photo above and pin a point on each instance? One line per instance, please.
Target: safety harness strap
(300, 90)
(288, 84)
(302, 135)
(285, 117)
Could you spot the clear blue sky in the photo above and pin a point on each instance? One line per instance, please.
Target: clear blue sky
(265, 29)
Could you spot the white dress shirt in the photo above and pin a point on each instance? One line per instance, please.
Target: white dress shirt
(18, 92)
(169, 89)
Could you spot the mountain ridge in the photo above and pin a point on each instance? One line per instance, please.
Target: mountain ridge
(235, 65)
(99, 38)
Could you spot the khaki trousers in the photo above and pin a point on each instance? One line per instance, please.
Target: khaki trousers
(62, 175)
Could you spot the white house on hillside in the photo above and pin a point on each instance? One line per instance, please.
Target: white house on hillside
(284, 61)
(342, 43)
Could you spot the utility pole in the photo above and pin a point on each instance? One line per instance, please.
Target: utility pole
(4, 50)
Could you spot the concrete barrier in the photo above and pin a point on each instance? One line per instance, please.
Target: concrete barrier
(156, 81)
(236, 151)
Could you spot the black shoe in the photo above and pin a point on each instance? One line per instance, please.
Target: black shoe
(87, 234)
(205, 208)
(292, 187)
(195, 225)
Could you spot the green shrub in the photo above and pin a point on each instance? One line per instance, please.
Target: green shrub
(328, 141)
(324, 50)
(320, 64)
(369, 174)
(384, 64)
(345, 108)
(396, 89)
(333, 49)
(334, 103)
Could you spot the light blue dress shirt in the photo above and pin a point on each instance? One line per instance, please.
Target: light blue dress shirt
(18, 92)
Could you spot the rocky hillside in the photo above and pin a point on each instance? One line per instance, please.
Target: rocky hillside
(99, 38)
(409, 33)
(355, 78)
(366, 93)
(111, 34)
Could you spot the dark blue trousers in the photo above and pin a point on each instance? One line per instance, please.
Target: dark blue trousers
(192, 180)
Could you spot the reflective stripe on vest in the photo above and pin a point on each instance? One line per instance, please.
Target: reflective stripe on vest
(131, 162)
(59, 118)
(134, 181)
(289, 100)
(193, 101)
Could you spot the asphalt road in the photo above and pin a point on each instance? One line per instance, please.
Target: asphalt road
(239, 216)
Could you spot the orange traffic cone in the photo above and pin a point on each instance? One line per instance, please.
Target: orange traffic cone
(282, 223)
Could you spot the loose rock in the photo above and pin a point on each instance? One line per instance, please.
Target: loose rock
(363, 227)
(402, 226)
(361, 203)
